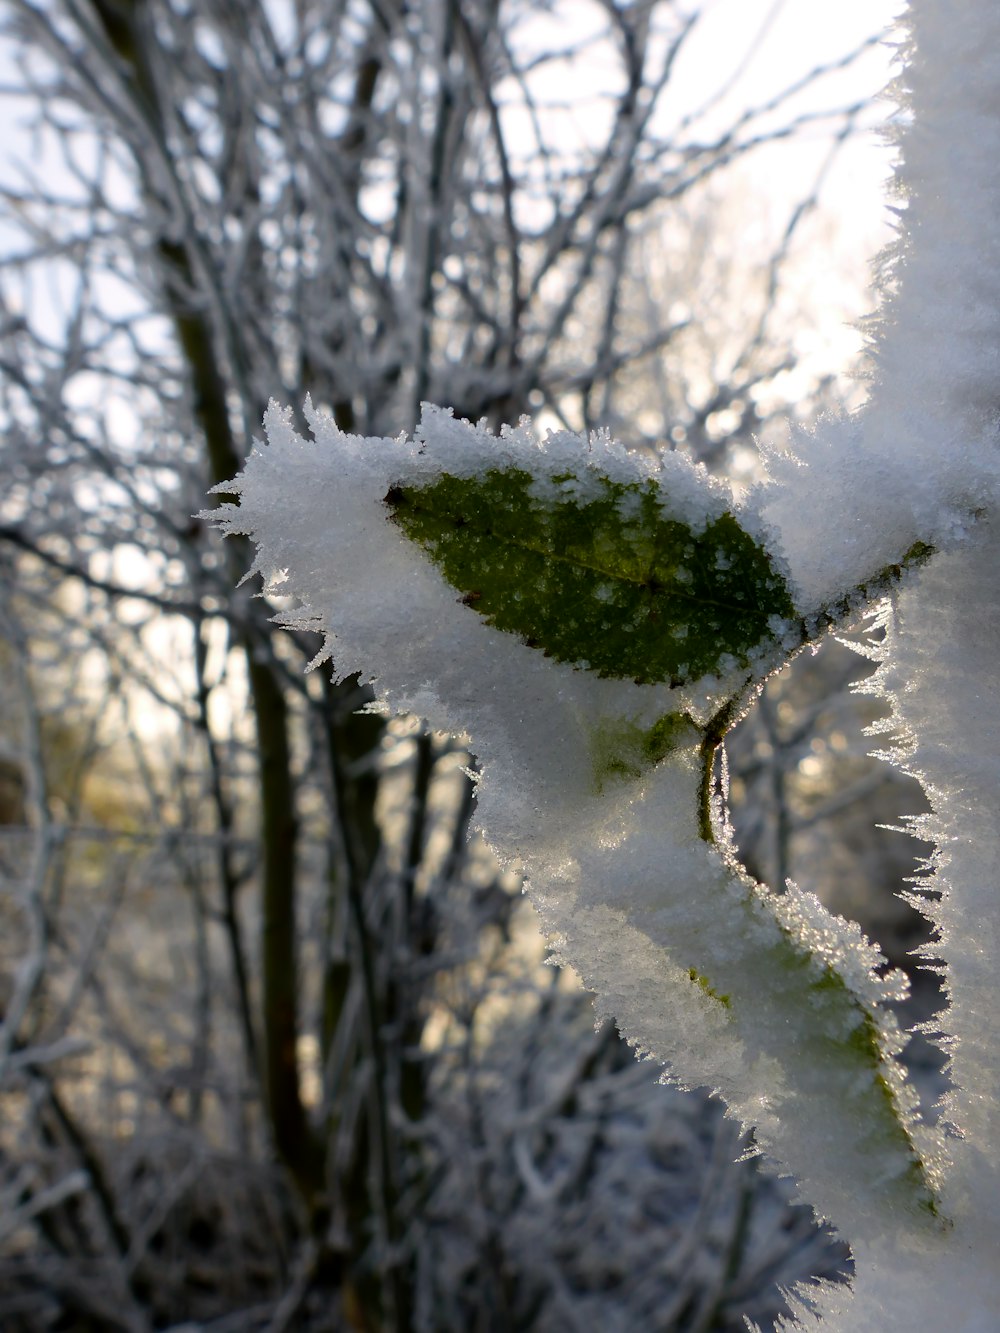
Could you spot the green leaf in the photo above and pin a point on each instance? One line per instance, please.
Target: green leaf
(596, 572)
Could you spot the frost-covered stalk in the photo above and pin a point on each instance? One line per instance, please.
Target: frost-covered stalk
(595, 624)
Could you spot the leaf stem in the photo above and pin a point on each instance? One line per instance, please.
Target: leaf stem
(713, 734)
(810, 629)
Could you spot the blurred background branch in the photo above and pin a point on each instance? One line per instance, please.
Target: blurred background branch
(278, 1050)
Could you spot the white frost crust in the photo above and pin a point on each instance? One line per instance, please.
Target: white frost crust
(926, 464)
(941, 676)
(921, 458)
(906, 1283)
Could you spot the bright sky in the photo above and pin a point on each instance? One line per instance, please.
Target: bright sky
(793, 38)
(745, 54)
(789, 39)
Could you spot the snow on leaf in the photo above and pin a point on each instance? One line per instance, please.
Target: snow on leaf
(625, 750)
(598, 571)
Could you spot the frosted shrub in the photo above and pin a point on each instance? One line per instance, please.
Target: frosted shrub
(595, 623)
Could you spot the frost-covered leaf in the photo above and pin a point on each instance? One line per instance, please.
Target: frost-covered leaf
(769, 999)
(598, 572)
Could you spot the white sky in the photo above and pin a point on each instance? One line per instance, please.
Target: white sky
(742, 54)
(798, 35)
(852, 224)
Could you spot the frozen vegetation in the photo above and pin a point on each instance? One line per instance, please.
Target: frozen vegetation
(595, 624)
(277, 1045)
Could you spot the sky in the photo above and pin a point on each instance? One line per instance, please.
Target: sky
(787, 39)
(744, 54)
(790, 38)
